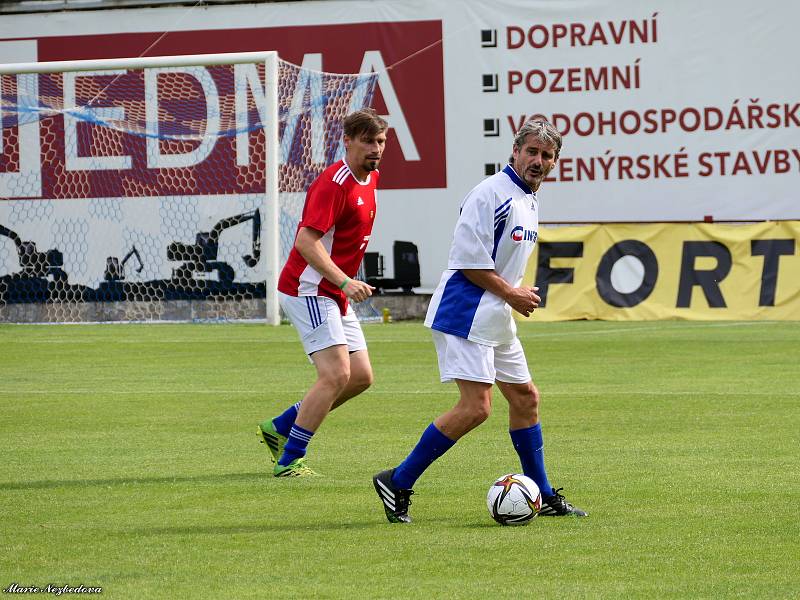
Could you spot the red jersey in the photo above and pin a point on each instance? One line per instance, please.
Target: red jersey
(343, 209)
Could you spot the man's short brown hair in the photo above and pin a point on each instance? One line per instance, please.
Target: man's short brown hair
(364, 121)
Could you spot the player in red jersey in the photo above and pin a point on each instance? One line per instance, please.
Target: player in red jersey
(317, 284)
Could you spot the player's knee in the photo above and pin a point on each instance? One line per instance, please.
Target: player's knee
(336, 378)
(526, 393)
(361, 381)
(533, 403)
(534, 397)
(367, 381)
(366, 378)
(526, 402)
(482, 411)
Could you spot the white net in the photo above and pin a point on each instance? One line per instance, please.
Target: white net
(130, 194)
(311, 139)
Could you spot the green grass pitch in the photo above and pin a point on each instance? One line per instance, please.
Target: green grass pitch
(130, 461)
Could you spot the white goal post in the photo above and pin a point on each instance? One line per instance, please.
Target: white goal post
(164, 188)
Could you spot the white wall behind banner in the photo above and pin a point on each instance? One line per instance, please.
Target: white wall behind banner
(671, 111)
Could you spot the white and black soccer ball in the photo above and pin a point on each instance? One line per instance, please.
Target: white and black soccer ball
(514, 500)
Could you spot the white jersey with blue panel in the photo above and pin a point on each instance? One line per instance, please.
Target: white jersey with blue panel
(497, 229)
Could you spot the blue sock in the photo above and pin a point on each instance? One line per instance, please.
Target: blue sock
(431, 446)
(296, 445)
(529, 445)
(283, 423)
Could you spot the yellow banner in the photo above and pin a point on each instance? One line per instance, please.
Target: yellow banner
(698, 271)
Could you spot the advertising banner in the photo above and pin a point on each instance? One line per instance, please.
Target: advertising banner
(701, 271)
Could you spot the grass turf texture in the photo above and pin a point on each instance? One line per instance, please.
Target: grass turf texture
(131, 462)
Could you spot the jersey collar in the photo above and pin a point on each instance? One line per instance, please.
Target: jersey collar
(512, 174)
(365, 182)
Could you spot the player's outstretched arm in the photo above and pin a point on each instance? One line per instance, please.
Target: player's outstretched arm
(309, 245)
(523, 299)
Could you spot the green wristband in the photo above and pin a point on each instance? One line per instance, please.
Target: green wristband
(344, 283)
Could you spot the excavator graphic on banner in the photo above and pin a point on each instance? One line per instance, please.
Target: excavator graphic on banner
(40, 276)
(201, 257)
(114, 287)
(194, 278)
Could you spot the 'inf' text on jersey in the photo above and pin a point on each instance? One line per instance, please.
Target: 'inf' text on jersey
(520, 234)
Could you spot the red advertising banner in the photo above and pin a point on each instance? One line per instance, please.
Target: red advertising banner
(410, 91)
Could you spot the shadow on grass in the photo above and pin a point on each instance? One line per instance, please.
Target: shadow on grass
(376, 524)
(251, 529)
(122, 481)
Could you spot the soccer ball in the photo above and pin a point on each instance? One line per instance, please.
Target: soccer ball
(514, 500)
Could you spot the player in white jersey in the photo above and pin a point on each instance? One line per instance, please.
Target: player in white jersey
(473, 328)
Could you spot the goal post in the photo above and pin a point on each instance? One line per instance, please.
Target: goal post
(164, 188)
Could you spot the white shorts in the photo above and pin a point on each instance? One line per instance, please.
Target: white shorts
(460, 358)
(321, 325)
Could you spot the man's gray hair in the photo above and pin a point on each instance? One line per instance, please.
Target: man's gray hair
(542, 131)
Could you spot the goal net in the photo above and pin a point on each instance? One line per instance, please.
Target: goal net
(159, 189)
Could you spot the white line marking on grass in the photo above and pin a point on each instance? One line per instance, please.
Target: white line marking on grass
(663, 326)
(206, 392)
(107, 342)
(651, 328)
